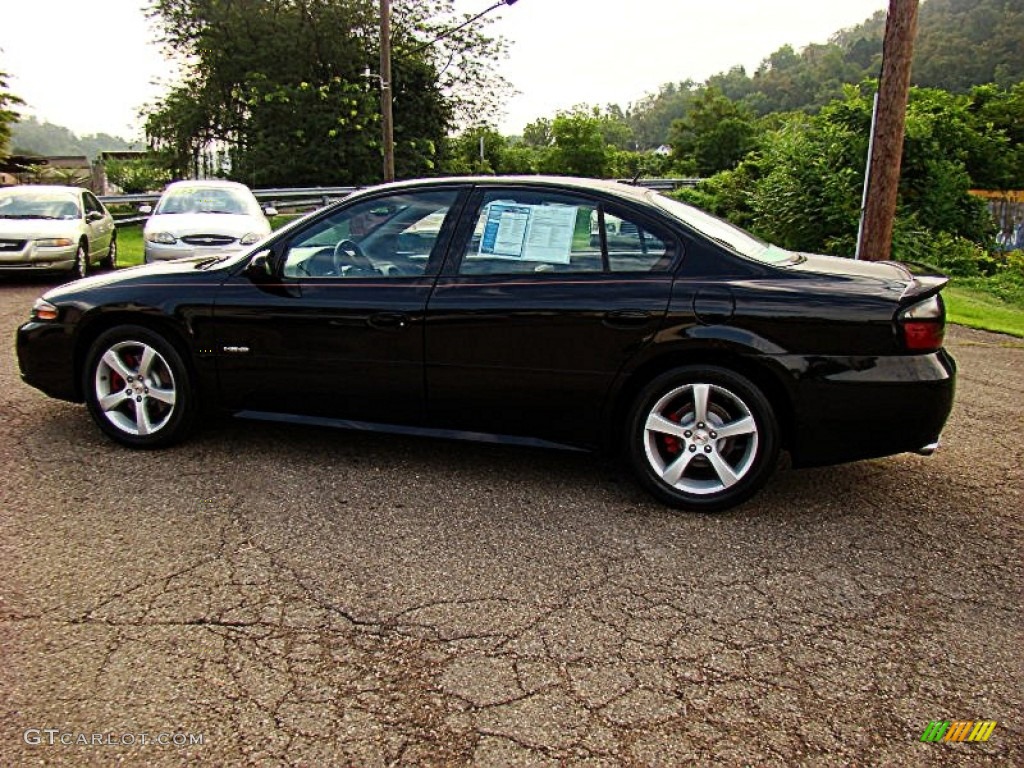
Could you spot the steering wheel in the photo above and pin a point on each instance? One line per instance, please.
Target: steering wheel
(347, 253)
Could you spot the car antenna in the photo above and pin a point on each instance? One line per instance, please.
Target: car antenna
(636, 178)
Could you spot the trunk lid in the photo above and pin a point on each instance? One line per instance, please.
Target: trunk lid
(904, 280)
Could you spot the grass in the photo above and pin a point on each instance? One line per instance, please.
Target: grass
(975, 307)
(129, 246)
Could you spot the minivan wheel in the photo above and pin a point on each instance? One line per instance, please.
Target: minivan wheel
(110, 260)
(702, 438)
(80, 268)
(137, 388)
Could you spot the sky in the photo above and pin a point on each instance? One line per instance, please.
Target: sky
(90, 65)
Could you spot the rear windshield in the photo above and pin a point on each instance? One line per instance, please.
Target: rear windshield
(725, 233)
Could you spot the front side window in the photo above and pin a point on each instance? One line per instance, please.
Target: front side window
(392, 236)
(92, 205)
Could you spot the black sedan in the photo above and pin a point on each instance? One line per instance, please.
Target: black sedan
(546, 311)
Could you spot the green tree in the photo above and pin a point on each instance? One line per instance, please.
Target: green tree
(136, 176)
(463, 154)
(802, 188)
(281, 87)
(578, 146)
(615, 128)
(8, 116)
(652, 116)
(960, 44)
(521, 159)
(538, 133)
(715, 135)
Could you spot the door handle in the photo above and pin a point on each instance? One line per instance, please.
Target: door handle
(626, 318)
(389, 320)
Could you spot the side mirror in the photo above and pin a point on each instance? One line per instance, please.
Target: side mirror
(260, 268)
(270, 211)
(146, 209)
(93, 216)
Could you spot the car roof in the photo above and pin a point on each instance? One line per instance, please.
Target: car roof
(617, 188)
(209, 183)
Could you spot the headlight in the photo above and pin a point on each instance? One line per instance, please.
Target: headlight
(164, 238)
(44, 310)
(252, 237)
(55, 242)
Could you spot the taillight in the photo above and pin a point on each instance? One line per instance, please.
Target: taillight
(923, 325)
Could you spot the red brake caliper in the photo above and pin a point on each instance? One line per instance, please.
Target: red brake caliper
(672, 444)
(116, 382)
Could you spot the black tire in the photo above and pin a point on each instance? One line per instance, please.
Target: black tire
(167, 417)
(717, 471)
(80, 268)
(110, 260)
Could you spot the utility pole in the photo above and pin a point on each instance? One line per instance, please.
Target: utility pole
(883, 176)
(386, 102)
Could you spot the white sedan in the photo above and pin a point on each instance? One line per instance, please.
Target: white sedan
(55, 229)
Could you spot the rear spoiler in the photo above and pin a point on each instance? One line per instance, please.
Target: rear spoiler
(922, 281)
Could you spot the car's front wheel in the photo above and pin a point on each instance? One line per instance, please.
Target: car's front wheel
(702, 438)
(138, 388)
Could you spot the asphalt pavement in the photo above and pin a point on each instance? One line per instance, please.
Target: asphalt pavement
(271, 595)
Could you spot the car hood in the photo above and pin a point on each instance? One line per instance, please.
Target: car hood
(184, 224)
(889, 277)
(138, 274)
(30, 229)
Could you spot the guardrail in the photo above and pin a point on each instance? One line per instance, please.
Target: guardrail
(300, 197)
(306, 197)
(323, 195)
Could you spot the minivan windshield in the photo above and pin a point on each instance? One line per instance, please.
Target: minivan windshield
(30, 204)
(725, 233)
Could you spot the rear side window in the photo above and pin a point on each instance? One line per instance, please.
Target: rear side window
(633, 246)
(528, 232)
(540, 232)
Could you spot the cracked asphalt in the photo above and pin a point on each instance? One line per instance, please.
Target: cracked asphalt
(312, 597)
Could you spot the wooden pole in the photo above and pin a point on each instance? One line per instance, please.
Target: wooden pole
(887, 140)
(387, 120)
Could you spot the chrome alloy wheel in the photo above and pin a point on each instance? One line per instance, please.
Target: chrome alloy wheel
(135, 388)
(700, 438)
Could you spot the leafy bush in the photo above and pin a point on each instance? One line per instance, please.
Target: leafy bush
(137, 176)
(951, 254)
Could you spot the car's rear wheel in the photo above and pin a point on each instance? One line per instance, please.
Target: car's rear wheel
(80, 268)
(702, 438)
(138, 388)
(110, 260)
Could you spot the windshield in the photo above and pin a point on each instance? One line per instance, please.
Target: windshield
(28, 204)
(208, 200)
(725, 233)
